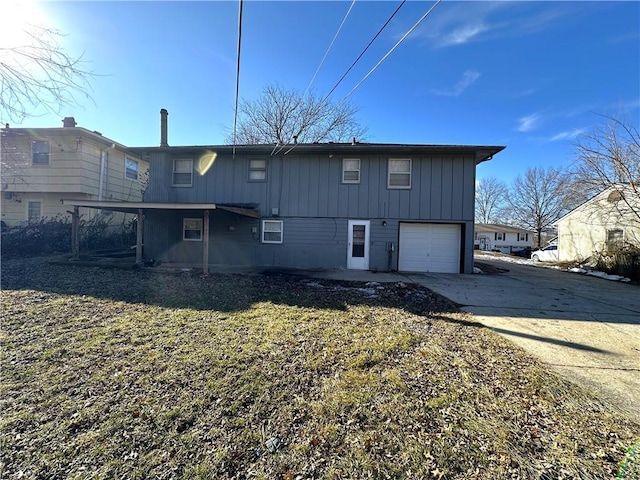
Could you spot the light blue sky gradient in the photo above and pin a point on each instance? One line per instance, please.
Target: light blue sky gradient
(528, 75)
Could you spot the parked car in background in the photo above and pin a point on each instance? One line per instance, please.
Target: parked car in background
(547, 254)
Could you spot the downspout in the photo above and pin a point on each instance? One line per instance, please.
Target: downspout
(103, 165)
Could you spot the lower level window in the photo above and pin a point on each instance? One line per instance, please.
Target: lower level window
(192, 229)
(34, 211)
(272, 231)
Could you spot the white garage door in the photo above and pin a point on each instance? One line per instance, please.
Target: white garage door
(429, 247)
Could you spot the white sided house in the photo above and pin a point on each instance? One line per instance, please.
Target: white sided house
(608, 220)
(503, 238)
(41, 166)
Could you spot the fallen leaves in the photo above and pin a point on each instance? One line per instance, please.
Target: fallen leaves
(128, 374)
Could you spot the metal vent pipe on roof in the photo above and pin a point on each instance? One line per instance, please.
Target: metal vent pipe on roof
(163, 127)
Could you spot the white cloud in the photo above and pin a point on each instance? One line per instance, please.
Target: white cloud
(463, 34)
(528, 123)
(570, 135)
(468, 78)
(457, 23)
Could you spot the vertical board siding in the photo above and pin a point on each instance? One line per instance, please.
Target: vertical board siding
(314, 205)
(446, 184)
(441, 188)
(436, 189)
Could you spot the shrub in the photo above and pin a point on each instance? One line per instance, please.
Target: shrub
(620, 260)
(53, 235)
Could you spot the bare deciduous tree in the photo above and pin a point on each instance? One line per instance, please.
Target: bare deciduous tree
(37, 74)
(284, 116)
(538, 198)
(491, 194)
(609, 157)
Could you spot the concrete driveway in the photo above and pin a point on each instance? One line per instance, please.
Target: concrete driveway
(587, 328)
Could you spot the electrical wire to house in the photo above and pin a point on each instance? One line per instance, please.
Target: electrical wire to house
(330, 47)
(365, 49)
(392, 49)
(235, 116)
(426, 14)
(279, 147)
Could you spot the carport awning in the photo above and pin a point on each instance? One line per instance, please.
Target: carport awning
(133, 207)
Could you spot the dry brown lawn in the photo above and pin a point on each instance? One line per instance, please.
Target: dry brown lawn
(110, 374)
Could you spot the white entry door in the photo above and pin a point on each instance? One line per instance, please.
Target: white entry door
(358, 245)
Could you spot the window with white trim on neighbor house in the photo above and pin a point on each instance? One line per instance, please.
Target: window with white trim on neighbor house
(350, 170)
(523, 237)
(40, 152)
(131, 168)
(34, 211)
(192, 229)
(272, 231)
(500, 236)
(182, 172)
(399, 173)
(615, 238)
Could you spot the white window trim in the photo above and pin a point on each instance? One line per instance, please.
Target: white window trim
(137, 169)
(33, 142)
(33, 200)
(500, 236)
(184, 221)
(258, 170)
(173, 172)
(403, 187)
(344, 162)
(264, 222)
(524, 237)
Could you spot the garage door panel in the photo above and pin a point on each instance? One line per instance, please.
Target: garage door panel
(428, 247)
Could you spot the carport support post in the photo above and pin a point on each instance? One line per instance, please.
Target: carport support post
(205, 244)
(139, 228)
(75, 232)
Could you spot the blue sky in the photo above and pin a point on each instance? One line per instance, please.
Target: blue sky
(528, 75)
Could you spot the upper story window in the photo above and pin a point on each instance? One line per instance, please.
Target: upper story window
(500, 236)
(351, 170)
(182, 172)
(257, 170)
(40, 152)
(131, 168)
(523, 237)
(272, 231)
(399, 175)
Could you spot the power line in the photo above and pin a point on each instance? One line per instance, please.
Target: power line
(235, 116)
(278, 148)
(330, 46)
(392, 49)
(386, 55)
(366, 48)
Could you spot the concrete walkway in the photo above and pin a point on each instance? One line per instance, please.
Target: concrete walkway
(586, 328)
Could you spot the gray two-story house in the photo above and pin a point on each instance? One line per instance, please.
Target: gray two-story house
(331, 205)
